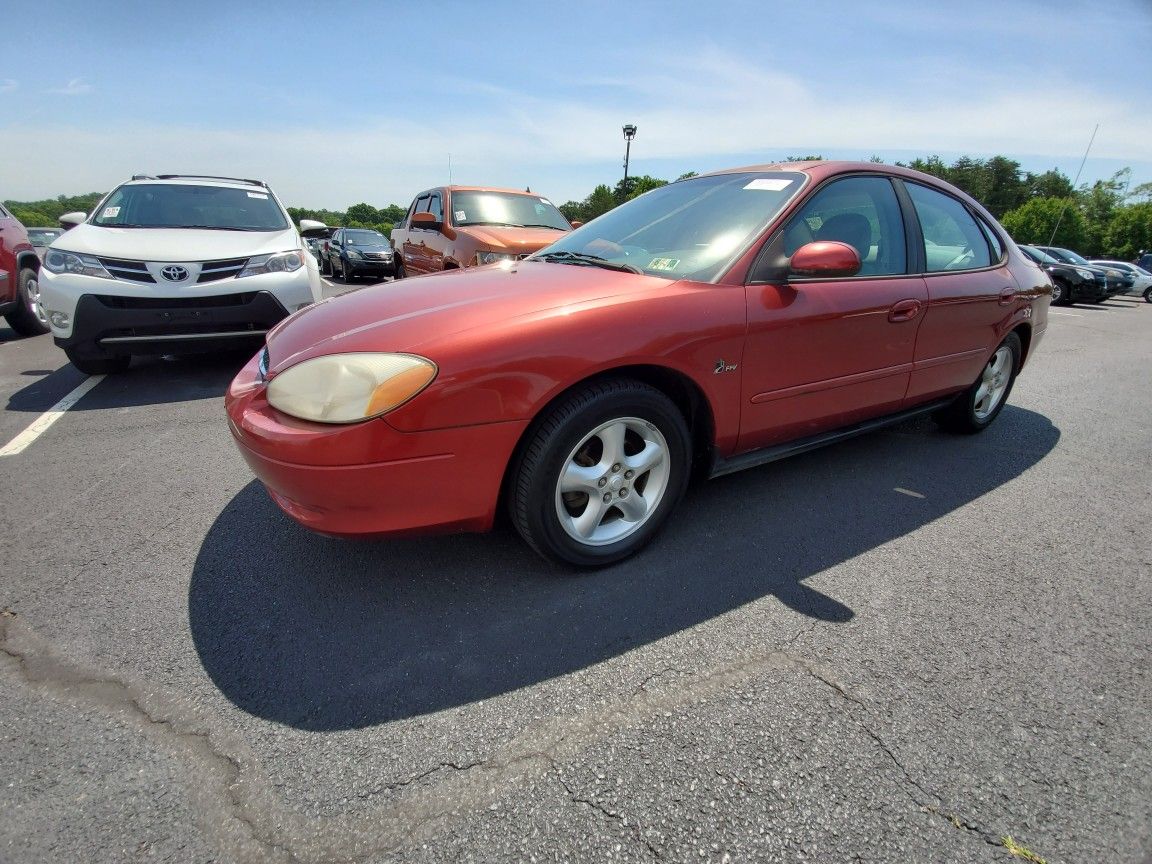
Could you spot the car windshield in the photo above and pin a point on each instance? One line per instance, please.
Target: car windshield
(1038, 255)
(691, 228)
(42, 236)
(1067, 255)
(365, 238)
(506, 208)
(181, 205)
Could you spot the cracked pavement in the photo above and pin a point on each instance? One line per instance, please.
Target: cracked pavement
(808, 666)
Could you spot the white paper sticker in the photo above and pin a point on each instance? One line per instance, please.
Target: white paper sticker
(545, 201)
(259, 195)
(110, 213)
(769, 184)
(460, 216)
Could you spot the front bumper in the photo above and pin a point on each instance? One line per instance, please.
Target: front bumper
(369, 479)
(155, 325)
(364, 267)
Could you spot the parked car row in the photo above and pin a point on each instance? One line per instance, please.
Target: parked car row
(1075, 279)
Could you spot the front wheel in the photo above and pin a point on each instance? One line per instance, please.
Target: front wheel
(600, 473)
(400, 271)
(1148, 295)
(975, 409)
(1061, 296)
(28, 318)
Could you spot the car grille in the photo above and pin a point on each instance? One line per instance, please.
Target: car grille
(137, 271)
(113, 302)
(213, 270)
(131, 271)
(377, 256)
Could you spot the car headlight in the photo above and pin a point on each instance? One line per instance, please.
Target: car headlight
(277, 262)
(349, 388)
(1086, 274)
(493, 257)
(353, 254)
(59, 261)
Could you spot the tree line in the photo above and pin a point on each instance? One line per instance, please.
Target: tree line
(1105, 218)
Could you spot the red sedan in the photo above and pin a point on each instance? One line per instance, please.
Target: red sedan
(714, 324)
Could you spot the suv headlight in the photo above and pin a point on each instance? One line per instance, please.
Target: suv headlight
(59, 261)
(493, 257)
(277, 262)
(349, 388)
(1086, 274)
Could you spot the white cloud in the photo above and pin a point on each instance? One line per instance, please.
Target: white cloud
(75, 87)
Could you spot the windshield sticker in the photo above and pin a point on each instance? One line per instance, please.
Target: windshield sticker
(259, 195)
(461, 216)
(110, 213)
(769, 184)
(664, 264)
(545, 201)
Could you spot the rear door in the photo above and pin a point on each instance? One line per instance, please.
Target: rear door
(971, 292)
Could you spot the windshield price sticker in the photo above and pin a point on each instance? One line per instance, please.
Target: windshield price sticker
(664, 264)
(769, 184)
(460, 216)
(259, 195)
(110, 213)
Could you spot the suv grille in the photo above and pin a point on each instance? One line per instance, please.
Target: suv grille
(131, 271)
(113, 302)
(137, 271)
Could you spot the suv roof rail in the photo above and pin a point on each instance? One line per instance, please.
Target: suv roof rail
(143, 177)
(259, 183)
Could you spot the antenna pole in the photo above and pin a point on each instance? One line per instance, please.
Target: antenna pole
(1064, 209)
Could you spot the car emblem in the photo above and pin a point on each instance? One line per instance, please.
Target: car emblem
(174, 273)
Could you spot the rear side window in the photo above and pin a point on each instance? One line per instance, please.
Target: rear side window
(952, 239)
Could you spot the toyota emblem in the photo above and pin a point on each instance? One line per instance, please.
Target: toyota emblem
(174, 273)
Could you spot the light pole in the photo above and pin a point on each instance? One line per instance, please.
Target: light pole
(629, 134)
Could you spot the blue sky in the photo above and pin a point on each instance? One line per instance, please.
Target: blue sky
(334, 103)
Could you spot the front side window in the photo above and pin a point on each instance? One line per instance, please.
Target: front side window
(860, 211)
(435, 207)
(506, 209)
(180, 205)
(952, 239)
(692, 228)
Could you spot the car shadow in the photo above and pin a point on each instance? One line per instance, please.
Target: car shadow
(324, 634)
(150, 380)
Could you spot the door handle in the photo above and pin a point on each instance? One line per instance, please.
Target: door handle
(905, 310)
(1007, 295)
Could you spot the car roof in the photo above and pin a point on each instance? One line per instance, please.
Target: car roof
(195, 180)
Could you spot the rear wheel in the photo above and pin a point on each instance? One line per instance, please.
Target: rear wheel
(97, 363)
(28, 318)
(976, 408)
(600, 473)
(400, 271)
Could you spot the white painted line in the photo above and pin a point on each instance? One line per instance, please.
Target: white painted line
(907, 492)
(1065, 314)
(41, 424)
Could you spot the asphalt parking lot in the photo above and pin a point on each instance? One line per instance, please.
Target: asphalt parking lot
(906, 648)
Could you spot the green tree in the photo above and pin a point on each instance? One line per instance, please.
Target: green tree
(1099, 204)
(1034, 222)
(363, 215)
(1130, 231)
(1050, 184)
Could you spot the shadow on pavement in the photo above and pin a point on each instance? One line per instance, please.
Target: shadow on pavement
(325, 634)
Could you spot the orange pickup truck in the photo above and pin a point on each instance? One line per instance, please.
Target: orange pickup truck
(451, 227)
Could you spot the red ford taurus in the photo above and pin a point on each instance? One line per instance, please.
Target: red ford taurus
(714, 324)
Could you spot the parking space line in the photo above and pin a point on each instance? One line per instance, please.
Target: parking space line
(41, 424)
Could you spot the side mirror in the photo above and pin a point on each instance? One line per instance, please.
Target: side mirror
(576, 223)
(71, 220)
(425, 220)
(828, 259)
(310, 227)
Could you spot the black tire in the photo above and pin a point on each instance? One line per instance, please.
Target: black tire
(325, 269)
(91, 363)
(344, 273)
(1148, 295)
(973, 410)
(1061, 293)
(400, 272)
(28, 318)
(579, 432)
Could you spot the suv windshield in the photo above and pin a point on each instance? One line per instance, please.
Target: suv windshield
(365, 238)
(1038, 255)
(1068, 256)
(506, 208)
(181, 205)
(690, 228)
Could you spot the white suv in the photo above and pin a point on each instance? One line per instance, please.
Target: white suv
(174, 264)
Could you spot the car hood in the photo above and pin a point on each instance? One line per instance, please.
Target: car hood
(412, 315)
(518, 240)
(174, 244)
